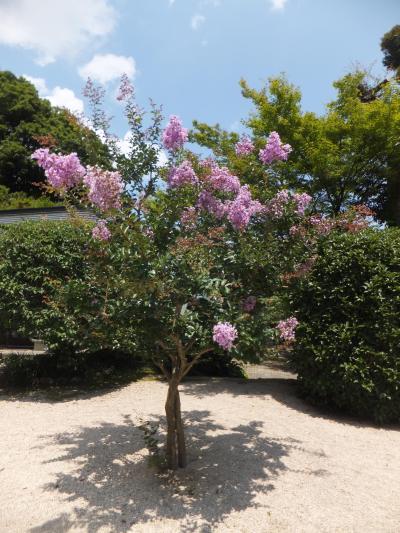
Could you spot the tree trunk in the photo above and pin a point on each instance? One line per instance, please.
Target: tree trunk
(176, 446)
(180, 434)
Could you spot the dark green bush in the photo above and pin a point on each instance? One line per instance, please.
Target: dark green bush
(89, 368)
(36, 259)
(347, 353)
(100, 368)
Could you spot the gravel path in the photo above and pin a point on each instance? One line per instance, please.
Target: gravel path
(260, 461)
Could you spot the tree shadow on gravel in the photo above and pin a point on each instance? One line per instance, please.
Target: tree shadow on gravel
(114, 488)
(280, 389)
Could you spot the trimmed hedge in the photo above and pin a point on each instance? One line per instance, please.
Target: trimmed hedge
(347, 353)
(36, 258)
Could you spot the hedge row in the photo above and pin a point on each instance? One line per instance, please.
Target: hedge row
(347, 353)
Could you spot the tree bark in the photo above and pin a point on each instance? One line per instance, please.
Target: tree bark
(172, 440)
(180, 434)
(176, 445)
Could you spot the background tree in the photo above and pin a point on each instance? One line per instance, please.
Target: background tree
(390, 46)
(347, 156)
(27, 121)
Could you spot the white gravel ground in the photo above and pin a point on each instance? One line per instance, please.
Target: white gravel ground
(260, 461)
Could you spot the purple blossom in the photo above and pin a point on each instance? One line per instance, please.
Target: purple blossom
(182, 175)
(175, 135)
(274, 150)
(126, 89)
(240, 210)
(302, 201)
(62, 171)
(105, 188)
(249, 303)
(296, 231)
(276, 205)
(101, 232)
(224, 334)
(222, 180)
(207, 163)
(322, 225)
(244, 147)
(209, 203)
(189, 217)
(94, 93)
(287, 328)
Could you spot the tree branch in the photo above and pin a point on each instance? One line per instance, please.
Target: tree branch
(167, 350)
(161, 366)
(196, 358)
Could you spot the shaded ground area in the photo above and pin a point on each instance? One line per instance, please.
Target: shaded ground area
(260, 460)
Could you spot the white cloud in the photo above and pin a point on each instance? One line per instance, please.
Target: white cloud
(197, 20)
(171, 2)
(108, 67)
(125, 147)
(277, 5)
(124, 143)
(39, 83)
(162, 158)
(59, 96)
(54, 29)
(63, 97)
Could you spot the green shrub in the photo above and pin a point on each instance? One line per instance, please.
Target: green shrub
(36, 259)
(49, 369)
(100, 368)
(347, 353)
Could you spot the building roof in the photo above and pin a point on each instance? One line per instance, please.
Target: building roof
(11, 216)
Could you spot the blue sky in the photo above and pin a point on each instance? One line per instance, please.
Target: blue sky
(190, 54)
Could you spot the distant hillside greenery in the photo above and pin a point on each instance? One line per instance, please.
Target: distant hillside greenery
(28, 122)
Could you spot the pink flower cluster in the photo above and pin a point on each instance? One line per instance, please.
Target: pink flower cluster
(287, 328)
(101, 232)
(175, 135)
(240, 210)
(189, 217)
(249, 303)
(302, 201)
(62, 171)
(105, 188)
(182, 175)
(322, 225)
(222, 180)
(210, 203)
(297, 231)
(274, 149)
(276, 205)
(225, 334)
(244, 147)
(126, 89)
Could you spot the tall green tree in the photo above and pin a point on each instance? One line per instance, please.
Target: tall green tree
(390, 46)
(26, 120)
(346, 156)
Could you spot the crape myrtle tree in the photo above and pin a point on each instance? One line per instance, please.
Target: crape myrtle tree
(197, 255)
